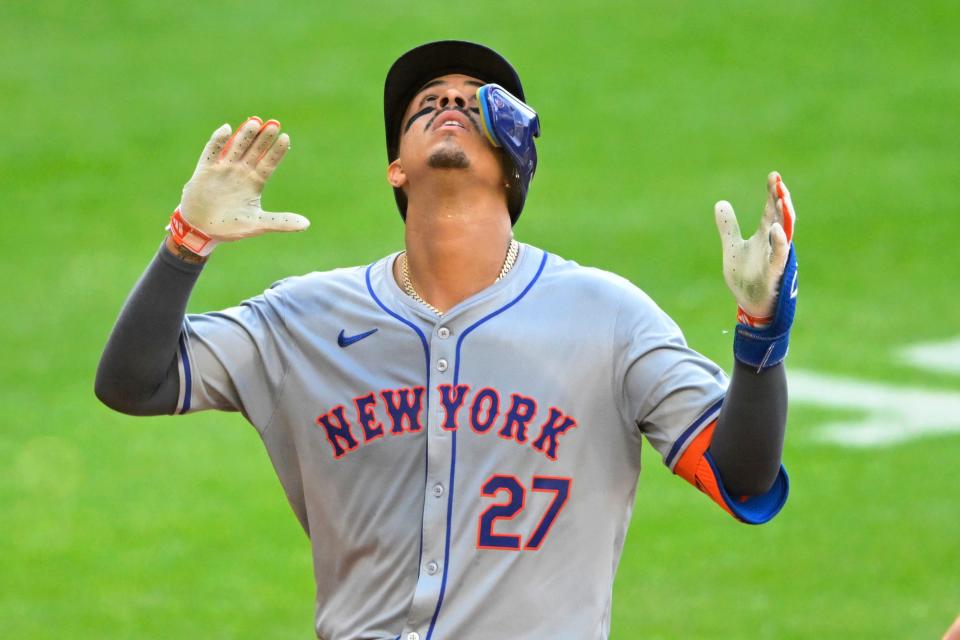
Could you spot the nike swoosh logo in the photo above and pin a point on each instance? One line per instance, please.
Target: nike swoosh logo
(794, 289)
(346, 341)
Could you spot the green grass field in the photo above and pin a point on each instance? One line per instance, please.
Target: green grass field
(116, 527)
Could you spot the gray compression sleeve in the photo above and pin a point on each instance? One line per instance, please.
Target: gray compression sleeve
(138, 373)
(748, 441)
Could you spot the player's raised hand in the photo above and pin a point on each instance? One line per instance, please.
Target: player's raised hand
(221, 202)
(753, 267)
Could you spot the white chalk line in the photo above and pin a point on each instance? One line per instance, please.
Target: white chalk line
(892, 413)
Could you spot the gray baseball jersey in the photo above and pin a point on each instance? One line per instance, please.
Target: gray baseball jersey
(470, 476)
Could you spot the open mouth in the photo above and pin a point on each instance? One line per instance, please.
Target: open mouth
(449, 119)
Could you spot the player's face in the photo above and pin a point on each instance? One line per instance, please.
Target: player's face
(441, 130)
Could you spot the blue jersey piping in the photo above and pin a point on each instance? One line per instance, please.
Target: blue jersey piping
(689, 430)
(426, 354)
(416, 329)
(187, 378)
(453, 463)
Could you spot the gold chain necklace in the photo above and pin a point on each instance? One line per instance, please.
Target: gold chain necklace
(511, 258)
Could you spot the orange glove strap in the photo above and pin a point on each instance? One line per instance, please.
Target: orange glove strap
(188, 236)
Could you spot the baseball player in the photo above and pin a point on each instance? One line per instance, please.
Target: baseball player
(457, 426)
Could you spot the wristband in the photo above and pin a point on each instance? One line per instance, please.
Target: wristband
(186, 235)
(767, 346)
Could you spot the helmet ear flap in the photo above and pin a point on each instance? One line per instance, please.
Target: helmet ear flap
(511, 124)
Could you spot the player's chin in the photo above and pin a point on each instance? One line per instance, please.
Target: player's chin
(448, 156)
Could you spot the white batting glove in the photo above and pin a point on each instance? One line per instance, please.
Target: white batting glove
(753, 267)
(221, 202)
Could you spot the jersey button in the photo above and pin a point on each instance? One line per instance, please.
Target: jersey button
(413, 635)
(437, 490)
(432, 568)
(443, 333)
(441, 365)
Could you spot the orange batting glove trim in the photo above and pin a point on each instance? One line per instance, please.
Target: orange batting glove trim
(759, 322)
(694, 467)
(269, 123)
(226, 147)
(185, 235)
(789, 215)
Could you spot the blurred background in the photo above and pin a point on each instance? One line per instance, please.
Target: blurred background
(116, 527)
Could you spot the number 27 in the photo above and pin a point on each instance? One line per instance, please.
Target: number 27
(517, 496)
